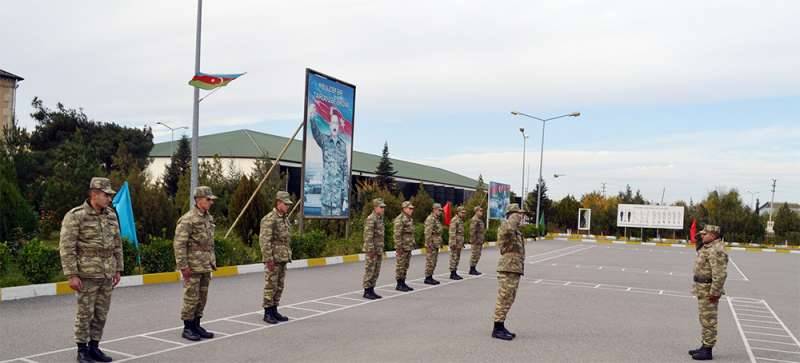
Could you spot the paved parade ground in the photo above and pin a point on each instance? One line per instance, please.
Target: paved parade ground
(578, 302)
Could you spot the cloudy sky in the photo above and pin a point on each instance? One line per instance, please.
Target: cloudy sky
(681, 96)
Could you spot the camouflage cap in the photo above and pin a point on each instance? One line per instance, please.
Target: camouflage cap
(102, 184)
(378, 202)
(437, 206)
(513, 208)
(204, 192)
(407, 204)
(284, 197)
(461, 209)
(710, 228)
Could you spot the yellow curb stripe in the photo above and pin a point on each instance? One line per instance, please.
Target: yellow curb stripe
(662, 244)
(783, 251)
(313, 262)
(226, 271)
(606, 242)
(350, 258)
(62, 288)
(160, 278)
(753, 249)
(633, 242)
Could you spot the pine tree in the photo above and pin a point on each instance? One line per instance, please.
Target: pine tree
(385, 171)
(180, 165)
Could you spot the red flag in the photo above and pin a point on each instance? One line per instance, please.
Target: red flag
(447, 214)
(693, 231)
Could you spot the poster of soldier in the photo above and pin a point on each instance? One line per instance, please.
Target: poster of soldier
(499, 196)
(328, 146)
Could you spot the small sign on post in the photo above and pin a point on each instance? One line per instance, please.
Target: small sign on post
(584, 219)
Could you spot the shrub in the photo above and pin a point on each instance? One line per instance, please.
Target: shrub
(39, 263)
(232, 252)
(5, 257)
(158, 256)
(129, 258)
(308, 245)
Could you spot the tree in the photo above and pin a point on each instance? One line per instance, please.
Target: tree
(546, 204)
(250, 223)
(565, 214)
(423, 204)
(385, 171)
(481, 187)
(17, 218)
(179, 165)
(786, 221)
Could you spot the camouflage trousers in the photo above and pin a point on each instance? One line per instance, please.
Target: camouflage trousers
(506, 293)
(430, 260)
(273, 285)
(403, 261)
(94, 300)
(372, 269)
(476, 254)
(455, 257)
(195, 295)
(708, 321)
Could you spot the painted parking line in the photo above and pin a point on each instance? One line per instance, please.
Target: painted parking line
(251, 327)
(766, 338)
(738, 269)
(556, 254)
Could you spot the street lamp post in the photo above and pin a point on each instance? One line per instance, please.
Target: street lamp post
(752, 198)
(172, 131)
(524, 145)
(541, 155)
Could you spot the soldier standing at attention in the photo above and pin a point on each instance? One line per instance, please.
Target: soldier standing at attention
(477, 233)
(433, 240)
(195, 258)
(710, 272)
(276, 252)
(510, 268)
(403, 244)
(373, 248)
(91, 257)
(456, 242)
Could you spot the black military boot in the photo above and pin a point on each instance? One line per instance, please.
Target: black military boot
(409, 288)
(454, 276)
(96, 354)
(368, 294)
(430, 281)
(401, 286)
(500, 331)
(268, 317)
(83, 354)
(188, 331)
(693, 351)
(474, 271)
(372, 289)
(278, 315)
(508, 332)
(199, 330)
(704, 353)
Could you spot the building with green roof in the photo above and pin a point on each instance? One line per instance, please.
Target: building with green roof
(240, 148)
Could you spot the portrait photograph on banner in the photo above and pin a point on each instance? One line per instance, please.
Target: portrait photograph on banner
(327, 146)
(499, 197)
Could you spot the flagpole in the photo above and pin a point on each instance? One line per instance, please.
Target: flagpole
(196, 104)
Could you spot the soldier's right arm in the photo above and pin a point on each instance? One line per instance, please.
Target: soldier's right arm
(315, 132)
(428, 229)
(265, 239)
(473, 230)
(68, 244)
(369, 235)
(398, 233)
(181, 243)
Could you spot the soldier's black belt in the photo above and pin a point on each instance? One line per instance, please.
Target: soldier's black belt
(96, 253)
(702, 280)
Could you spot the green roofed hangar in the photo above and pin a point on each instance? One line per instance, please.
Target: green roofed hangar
(241, 148)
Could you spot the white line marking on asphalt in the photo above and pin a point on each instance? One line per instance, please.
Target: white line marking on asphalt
(772, 335)
(756, 316)
(331, 304)
(118, 352)
(161, 340)
(777, 360)
(741, 332)
(299, 308)
(761, 327)
(776, 350)
(547, 258)
(349, 298)
(243, 322)
(760, 321)
(771, 342)
(738, 269)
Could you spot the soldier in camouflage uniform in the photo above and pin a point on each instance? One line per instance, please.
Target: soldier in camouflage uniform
(195, 258)
(433, 240)
(373, 248)
(403, 244)
(276, 252)
(334, 159)
(710, 272)
(510, 268)
(456, 242)
(477, 233)
(91, 257)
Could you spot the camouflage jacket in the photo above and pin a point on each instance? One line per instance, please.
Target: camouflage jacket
(403, 233)
(477, 231)
(194, 242)
(373, 234)
(433, 231)
(456, 233)
(711, 262)
(274, 238)
(512, 249)
(90, 245)
(335, 178)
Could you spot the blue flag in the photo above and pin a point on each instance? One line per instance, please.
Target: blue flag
(127, 225)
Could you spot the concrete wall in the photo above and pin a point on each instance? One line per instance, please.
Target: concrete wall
(7, 97)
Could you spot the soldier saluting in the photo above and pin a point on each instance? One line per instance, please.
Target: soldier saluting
(510, 268)
(91, 257)
(195, 258)
(710, 273)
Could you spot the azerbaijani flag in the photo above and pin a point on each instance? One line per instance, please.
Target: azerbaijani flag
(210, 81)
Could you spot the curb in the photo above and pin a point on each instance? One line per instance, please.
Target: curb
(62, 287)
(731, 246)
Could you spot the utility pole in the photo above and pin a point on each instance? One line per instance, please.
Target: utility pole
(604, 189)
(771, 224)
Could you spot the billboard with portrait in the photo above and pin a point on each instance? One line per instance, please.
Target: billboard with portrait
(499, 197)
